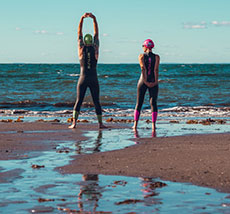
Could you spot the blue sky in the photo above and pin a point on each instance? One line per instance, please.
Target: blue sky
(44, 31)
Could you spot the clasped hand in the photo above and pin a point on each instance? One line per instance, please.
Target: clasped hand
(88, 15)
(151, 84)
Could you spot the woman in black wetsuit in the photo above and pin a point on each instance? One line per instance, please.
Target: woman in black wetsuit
(88, 55)
(149, 63)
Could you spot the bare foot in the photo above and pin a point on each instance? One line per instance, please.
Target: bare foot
(154, 134)
(102, 126)
(73, 126)
(136, 135)
(135, 126)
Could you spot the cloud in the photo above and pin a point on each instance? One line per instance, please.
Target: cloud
(105, 34)
(222, 23)
(128, 41)
(59, 33)
(204, 25)
(163, 45)
(189, 25)
(148, 31)
(44, 32)
(106, 51)
(40, 31)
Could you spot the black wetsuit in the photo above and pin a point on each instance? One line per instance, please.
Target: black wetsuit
(88, 76)
(149, 60)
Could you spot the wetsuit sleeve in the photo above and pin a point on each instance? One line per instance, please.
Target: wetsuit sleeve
(80, 41)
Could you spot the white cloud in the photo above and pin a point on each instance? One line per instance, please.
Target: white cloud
(167, 45)
(201, 25)
(105, 34)
(222, 23)
(43, 32)
(128, 41)
(169, 54)
(148, 31)
(40, 32)
(106, 51)
(59, 33)
(17, 28)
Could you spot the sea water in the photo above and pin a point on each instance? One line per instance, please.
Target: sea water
(51, 88)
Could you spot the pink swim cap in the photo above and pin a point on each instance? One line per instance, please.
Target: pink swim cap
(148, 43)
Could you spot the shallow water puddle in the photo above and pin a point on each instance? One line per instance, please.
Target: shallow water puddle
(165, 129)
(41, 189)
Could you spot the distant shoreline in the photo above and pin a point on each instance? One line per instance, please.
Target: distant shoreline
(123, 63)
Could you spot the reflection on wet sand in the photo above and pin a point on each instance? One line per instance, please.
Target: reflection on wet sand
(137, 135)
(82, 148)
(89, 194)
(90, 191)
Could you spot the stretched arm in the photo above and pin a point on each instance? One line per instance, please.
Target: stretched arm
(95, 25)
(80, 26)
(96, 35)
(80, 37)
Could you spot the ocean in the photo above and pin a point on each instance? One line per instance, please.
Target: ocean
(194, 88)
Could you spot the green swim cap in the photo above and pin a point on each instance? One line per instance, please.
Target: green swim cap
(88, 39)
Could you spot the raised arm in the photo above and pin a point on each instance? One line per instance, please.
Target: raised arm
(80, 37)
(80, 25)
(95, 25)
(96, 34)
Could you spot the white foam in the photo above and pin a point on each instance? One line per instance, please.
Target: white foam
(74, 75)
(179, 111)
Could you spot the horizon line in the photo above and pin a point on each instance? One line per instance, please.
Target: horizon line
(113, 63)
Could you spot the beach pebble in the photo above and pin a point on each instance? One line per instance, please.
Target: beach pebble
(35, 166)
(192, 122)
(121, 182)
(129, 201)
(70, 120)
(44, 200)
(174, 121)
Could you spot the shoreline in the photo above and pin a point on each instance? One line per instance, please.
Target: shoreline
(201, 159)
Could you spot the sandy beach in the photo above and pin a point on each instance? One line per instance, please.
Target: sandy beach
(198, 159)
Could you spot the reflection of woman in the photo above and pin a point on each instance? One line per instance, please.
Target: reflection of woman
(149, 63)
(90, 190)
(82, 147)
(88, 49)
(148, 187)
(89, 193)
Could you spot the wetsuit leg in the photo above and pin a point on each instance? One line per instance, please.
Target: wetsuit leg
(153, 94)
(81, 89)
(141, 90)
(94, 89)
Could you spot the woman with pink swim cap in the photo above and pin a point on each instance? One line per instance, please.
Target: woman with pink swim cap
(149, 63)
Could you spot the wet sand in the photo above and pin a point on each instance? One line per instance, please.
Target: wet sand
(198, 159)
(18, 140)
